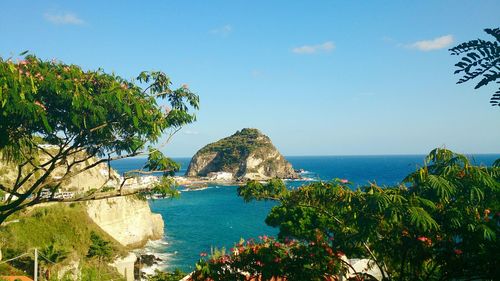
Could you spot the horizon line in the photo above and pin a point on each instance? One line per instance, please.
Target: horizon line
(347, 155)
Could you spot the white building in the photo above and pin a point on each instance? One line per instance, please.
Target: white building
(220, 176)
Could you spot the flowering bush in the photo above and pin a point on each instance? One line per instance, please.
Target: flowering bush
(287, 259)
(82, 114)
(442, 223)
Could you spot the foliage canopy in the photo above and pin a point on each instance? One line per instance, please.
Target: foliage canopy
(441, 223)
(55, 115)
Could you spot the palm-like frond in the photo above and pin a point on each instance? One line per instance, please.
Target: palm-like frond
(480, 58)
(421, 219)
(443, 188)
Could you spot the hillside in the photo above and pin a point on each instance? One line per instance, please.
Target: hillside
(66, 227)
(246, 155)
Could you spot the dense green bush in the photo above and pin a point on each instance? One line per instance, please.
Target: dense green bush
(441, 223)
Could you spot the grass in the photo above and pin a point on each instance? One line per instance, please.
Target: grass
(66, 226)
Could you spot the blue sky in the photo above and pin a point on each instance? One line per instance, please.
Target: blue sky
(318, 77)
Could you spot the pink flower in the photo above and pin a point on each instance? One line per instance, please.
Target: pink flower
(40, 105)
(277, 260)
(422, 238)
(259, 263)
(203, 254)
(23, 62)
(344, 181)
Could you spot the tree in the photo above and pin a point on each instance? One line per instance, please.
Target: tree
(50, 256)
(175, 275)
(441, 223)
(100, 248)
(55, 116)
(480, 58)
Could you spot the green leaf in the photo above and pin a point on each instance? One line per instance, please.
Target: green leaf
(33, 88)
(421, 219)
(24, 53)
(46, 123)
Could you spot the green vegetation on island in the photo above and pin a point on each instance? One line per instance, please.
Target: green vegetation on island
(247, 154)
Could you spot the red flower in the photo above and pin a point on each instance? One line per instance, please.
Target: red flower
(329, 251)
(203, 254)
(458, 251)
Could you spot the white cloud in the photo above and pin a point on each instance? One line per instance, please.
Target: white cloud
(188, 132)
(433, 44)
(311, 49)
(63, 18)
(223, 30)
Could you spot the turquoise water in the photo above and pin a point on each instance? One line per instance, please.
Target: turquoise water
(217, 217)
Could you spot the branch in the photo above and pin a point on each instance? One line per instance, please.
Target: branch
(383, 267)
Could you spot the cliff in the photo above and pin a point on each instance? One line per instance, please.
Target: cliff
(246, 155)
(127, 219)
(97, 177)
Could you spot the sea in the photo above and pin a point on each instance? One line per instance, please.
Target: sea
(215, 217)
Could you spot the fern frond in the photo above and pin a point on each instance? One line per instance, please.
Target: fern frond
(421, 219)
(443, 188)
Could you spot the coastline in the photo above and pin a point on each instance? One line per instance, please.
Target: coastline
(195, 183)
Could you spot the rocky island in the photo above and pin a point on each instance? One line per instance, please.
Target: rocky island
(246, 155)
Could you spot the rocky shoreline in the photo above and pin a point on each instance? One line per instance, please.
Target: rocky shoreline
(194, 183)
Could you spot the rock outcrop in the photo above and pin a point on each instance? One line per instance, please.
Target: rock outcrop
(126, 219)
(247, 155)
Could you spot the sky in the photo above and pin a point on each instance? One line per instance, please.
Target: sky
(317, 77)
